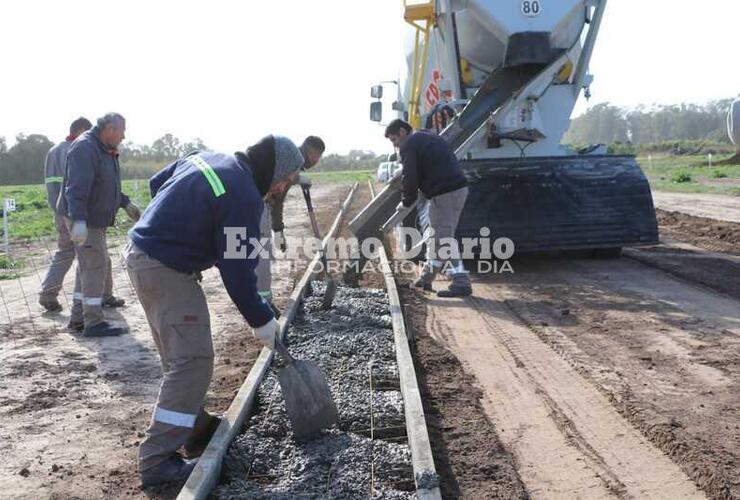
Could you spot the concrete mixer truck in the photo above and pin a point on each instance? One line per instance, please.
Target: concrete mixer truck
(498, 80)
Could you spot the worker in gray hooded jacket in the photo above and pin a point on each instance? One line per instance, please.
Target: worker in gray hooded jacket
(61, 261)
(91, 196)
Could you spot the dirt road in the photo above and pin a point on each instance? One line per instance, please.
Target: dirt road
(610, 378)
(73, 410)
(712, 206)
(585, 378)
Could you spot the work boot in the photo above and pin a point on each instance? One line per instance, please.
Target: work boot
(51, 304)
(425, 279)
(421, 282)
(460, 286)
(113, 301)
(103, 329)
(75, 325)
(201, 435)
(175, 468)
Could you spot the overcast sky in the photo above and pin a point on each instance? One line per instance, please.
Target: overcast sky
(231, 72)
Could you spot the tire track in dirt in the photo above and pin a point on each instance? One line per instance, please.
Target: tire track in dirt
(666, 353)
(567, 438)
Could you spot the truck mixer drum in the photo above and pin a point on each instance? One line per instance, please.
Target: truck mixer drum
(512, 71)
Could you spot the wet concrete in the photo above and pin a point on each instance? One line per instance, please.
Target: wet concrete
(353, 344)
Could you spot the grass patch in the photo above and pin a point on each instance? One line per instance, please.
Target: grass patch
(343, 176)
(6, 262)
(33, 217)
(9, 268)
(690, 174)
(681, 176)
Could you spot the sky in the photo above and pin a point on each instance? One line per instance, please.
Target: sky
(231, 72)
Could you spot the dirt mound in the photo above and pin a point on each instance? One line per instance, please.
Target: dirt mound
(707, 233)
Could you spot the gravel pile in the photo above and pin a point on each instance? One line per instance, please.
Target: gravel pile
(349, 342)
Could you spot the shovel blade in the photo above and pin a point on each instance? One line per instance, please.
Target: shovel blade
(308, 398)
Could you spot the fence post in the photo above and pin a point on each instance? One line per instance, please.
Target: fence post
(8, 206)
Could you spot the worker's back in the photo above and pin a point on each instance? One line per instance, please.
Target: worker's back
(434, 164)
(193, 200)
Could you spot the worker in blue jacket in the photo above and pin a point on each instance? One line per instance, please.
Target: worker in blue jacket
(205, 211)
(90, 198)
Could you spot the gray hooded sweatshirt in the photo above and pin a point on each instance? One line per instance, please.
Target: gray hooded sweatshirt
(56, 158)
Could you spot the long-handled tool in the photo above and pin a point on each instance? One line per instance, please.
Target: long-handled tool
(330, 284)
(307, 395)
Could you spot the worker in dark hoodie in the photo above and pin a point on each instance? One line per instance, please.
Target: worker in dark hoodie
(430, 168)
(205, 211)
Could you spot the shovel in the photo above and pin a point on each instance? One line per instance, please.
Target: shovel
(330, 284)
(307, 396)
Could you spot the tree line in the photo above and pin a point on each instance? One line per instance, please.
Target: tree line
(23, 163)
(652, 128)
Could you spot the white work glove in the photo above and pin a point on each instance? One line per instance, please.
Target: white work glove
(304, 180)
(278, 240)
(267, 333)
(133, 211)
(78, 232)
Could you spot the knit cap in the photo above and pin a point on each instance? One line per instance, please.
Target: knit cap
(288, 158)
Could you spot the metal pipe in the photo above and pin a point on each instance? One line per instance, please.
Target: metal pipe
(588, 45)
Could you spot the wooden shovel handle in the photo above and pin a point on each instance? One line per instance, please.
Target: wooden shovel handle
(307, 195)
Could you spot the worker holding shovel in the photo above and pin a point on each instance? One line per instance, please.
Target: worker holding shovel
(205, 211)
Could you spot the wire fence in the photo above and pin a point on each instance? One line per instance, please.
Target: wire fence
(23, 271)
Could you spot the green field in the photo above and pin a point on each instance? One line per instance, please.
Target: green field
(691, 174)
(344, 176)
(33, 218)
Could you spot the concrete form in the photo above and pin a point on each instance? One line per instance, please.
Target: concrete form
(205, 476)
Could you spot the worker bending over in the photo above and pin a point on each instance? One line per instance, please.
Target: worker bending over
(90, 198)
(272, 217)
(430, 166)
(205, 211)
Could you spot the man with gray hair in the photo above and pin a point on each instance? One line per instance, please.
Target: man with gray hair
(61, 261)
(91, 196)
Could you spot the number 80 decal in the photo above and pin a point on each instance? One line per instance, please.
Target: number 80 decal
(531, 8)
